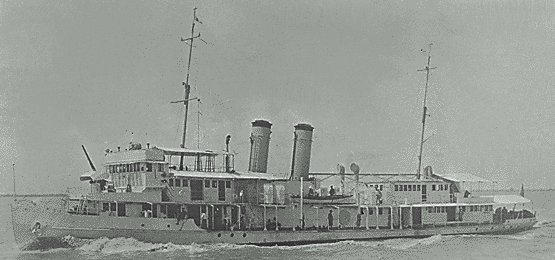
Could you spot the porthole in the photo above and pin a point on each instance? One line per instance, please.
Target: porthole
(219, 235)
(168, 225)
(244, 234)
(231, 235)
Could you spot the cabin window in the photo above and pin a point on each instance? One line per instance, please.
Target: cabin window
(177, 182)
(185, 183)
(430, 209)
(471, 208)
(113, 206)
(214, 184)
(207, 184)
(396, 187)
(446, 186)
(418, 187)
(370, 211)
(148, 167)
(405, 188)
(433, 187)
(414, 187)
(380, 211)
(160, 167)
(170, 182)
(410, 187)
(105, 206)
(228, 184)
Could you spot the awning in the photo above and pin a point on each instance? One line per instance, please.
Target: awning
(225, 175)
(462, 177)
(508, 199)
(189, 152)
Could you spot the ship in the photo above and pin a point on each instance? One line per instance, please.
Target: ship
(182, 195)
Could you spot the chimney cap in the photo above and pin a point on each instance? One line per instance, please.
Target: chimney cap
(262, 123)
(303, 126)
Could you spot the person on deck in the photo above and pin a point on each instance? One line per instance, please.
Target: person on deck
(330, 219)
(332, 191)
(310, 192)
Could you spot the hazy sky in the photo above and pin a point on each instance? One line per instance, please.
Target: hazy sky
(92, 72)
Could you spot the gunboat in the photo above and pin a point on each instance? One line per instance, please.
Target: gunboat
(181, 195)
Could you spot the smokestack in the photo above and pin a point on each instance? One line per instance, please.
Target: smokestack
(302, 146)
(260, 144)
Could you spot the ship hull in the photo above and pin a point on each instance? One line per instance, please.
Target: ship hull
(55, 225)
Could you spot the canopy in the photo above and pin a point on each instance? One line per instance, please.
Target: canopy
(188, 152)
(508, 199)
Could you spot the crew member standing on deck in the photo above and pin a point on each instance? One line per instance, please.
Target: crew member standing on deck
(330, 219)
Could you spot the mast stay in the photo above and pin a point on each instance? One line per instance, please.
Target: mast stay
(425, 110)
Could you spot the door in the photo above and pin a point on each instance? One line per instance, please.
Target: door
(424, 194)
(416, 217)
(197, 190)
(221, 190)
(451, 213)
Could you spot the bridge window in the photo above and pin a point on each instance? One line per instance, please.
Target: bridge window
(207, 183)
(228, 184)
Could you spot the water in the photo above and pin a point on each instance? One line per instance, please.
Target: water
(538, 243)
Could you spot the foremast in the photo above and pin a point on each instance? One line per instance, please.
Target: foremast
(424, 109)
(186, 85)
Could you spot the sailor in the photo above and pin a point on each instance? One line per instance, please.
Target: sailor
(332, 191)
(330, 218)
(359, 217)
(310, 192)
(203, 220)
(466, 193)
(378, 195)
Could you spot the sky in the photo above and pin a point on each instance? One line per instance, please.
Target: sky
(103, 73)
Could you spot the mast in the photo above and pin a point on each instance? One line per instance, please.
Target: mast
(425, 110)
(186, 83)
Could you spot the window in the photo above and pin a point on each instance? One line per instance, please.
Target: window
(370, 211)
(471, 208)
(160, 167)
(185, 183)
(380, 211)
(207, 184)
(381, 187)
(396, 187)
(228, 184)
(148, 167)
(405, 188)
(414, 187)
(105, 206)
(170, 182)
(418, 187)
(436, 209)
(410, 187)
(214, 184)
(440, 187)
(113, 206)
(446, 186)
(433, 187)
(177, 182)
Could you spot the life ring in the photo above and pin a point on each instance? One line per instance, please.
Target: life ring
(36, 228)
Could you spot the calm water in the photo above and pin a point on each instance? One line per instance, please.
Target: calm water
(534, 244)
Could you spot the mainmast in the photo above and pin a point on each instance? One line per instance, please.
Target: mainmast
(425, 110)
(186, 100)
